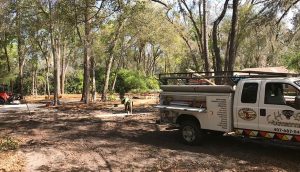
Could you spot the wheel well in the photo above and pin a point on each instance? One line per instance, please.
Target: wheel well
(185, 117)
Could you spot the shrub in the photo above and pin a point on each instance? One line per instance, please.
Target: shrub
(152, 83)
(74, 82)
(111, 97)
(129, 80)
(8, 143)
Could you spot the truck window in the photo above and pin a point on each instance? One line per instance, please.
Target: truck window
(281, 94)
(249, 94)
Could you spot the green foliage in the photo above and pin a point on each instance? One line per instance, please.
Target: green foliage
(292, 61)
(100, 74)
(129, 80)
(152, 83)
(74, 82)
(8, 143)
(111, 97)
(149, 41)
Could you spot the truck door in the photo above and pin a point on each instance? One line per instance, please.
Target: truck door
(247, 106)
(279, 110)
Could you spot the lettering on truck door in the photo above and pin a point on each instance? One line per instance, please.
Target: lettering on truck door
(279, 110)
(247, 107)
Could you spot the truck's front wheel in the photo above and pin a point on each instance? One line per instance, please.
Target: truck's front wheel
(191, 133)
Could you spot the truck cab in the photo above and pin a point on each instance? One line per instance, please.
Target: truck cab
(255, 107)
(268, 106)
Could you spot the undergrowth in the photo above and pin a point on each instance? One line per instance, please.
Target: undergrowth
(8, 143)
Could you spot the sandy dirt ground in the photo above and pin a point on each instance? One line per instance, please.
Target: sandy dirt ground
(80, 139)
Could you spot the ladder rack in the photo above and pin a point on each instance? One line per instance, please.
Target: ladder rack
(203, 78)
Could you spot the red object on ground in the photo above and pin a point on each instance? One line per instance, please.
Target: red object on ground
(4, 94)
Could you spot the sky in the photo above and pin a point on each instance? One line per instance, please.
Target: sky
(215, 7)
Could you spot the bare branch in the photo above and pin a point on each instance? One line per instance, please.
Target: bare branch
(160, 2)
(286, 11)
(98, 10)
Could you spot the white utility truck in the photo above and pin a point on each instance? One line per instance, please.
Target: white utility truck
(259, 106)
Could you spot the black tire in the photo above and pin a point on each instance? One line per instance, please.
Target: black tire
(191, 133)
(2, 101)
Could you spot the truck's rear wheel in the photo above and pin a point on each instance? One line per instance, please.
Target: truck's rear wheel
(191, 133)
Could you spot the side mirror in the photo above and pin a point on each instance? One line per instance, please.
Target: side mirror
(297, 102)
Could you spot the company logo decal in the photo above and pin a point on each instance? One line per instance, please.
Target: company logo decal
(247, 114)
(288, 113)
(280, 119)
(297, 116)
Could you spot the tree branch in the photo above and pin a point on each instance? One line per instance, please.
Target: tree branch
(286, 11)
(160, 2)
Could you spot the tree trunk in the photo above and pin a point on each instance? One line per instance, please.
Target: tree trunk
(45, 89)
(35, 81)
(156, 54)
(111, 59)
(139, 57)
(32, 81)
(93, 77)
(20, 50)
(226, 54)
(87, 52)
(114, 83)
(82, 91)
(7, 58)
(21, 73)
(144, 61)
(194, 58)
(8, 62)
(47, 77)
(205, 39)
(56, 74)
(55, 58)
(216, 49)
(58, 58)
(197, 29)
(63, 69)
(232, 43)
(46, 56)
(107, 77)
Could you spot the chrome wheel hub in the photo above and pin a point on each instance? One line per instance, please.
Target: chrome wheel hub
(188, 133)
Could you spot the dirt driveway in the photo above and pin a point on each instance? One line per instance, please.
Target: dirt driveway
(74, 140)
